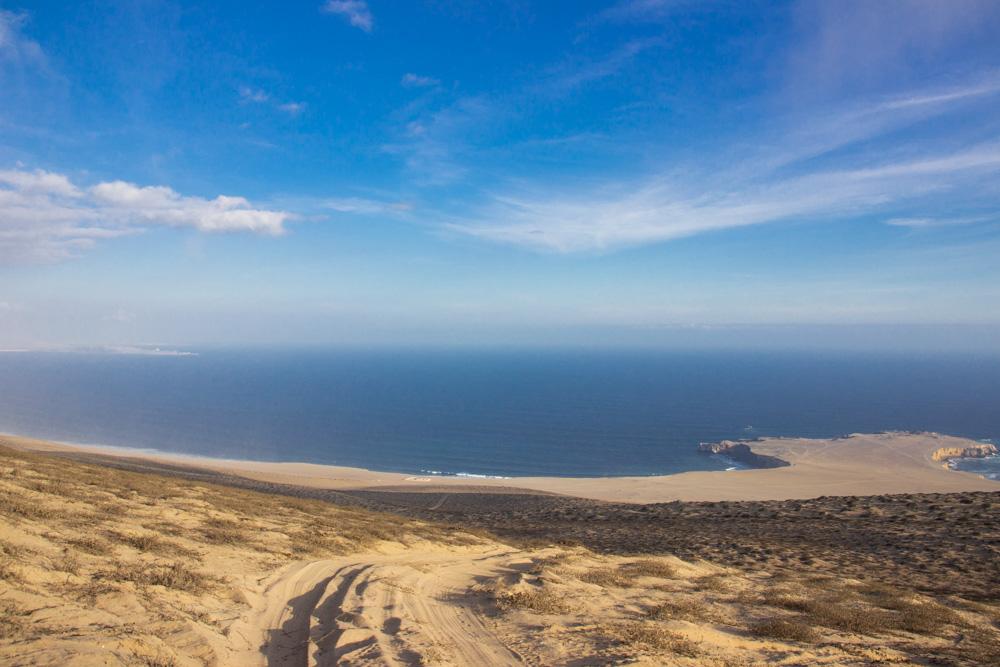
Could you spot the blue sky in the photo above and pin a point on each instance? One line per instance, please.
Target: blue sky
(634, 172)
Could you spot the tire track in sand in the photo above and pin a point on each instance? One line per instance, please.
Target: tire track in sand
(380, 609)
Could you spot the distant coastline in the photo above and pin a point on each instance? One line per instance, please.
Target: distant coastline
(858, 464)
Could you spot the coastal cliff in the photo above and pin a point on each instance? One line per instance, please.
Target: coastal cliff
(978, 451)
(741, 453)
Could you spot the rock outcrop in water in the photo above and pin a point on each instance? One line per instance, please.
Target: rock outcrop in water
(741, 453)
(979, 451)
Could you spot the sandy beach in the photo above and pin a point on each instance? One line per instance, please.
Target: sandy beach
(859, 464)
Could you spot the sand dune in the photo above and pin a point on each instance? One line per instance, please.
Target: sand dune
(107, 567)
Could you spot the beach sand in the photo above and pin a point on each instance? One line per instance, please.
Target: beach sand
(859, 464)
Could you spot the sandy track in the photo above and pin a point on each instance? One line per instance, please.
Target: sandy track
(402, 608)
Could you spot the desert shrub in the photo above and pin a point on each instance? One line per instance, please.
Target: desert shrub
(713, 582)
(607, 577)
(650, 568)
(16, 505)
(177, 576)
(90, 544)
(849, 617)
(688, 609)
(313, 542)
(925, 617)
(8, 570)
(13, 620)
(654, 636)
(158, 660)
(784, 629)
(11, 549)
(110, 509)
(151, 543)
(533, 599)
(89, 591)
(144, 542)
(224, 531)
(68, 562)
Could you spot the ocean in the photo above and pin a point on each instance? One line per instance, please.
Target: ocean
(488, 412)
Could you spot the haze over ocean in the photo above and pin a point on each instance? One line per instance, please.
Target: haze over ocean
(495, 412)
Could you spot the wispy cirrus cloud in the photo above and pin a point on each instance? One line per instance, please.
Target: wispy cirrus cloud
(435, 145)
(44, 216)
(861, 45)
(292, 108)
(248, 94)
(568, 76)
(356, 12)
(647, 10)
(365, 206)
(666, 209)
(827, 167)
(920, 223)
(411, 80)
(15, 47)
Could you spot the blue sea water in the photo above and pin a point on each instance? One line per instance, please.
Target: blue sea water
(506, 413)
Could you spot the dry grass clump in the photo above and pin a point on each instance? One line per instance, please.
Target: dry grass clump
(784, 629)
(8, 569)
(884, 611)
(534, 599)
(314, 542)
(68, 562)
(139, 542)
(648, 567)
(13, 621)
(90, 544)
(607, 577)
(685, 609)
(716, 583)
(90, 590)
(150, 543)
(850, 617)
(177, 576)
(624, 575)
(18, 505)
(925, 617)
(653, 636)
(158, 660)
(224, 531)
(918, 617)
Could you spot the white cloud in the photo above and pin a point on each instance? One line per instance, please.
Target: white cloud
(411, 80)
(253, 94)
(39, 182)
(355, 11)
(14, 46)
(45, 217)
(292, 108)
